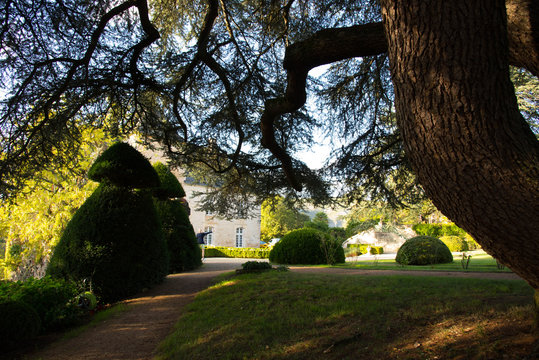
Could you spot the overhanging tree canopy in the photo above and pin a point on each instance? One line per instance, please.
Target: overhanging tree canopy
(197, 75)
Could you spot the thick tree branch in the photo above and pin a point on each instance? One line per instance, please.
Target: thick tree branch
(151, 36)
(331, 45)
(523, 33)
(202, 43)
(324, 47)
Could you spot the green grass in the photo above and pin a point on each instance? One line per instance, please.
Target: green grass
(480, 262)
(298, 316)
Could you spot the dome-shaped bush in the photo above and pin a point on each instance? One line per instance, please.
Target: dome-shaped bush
(306, 246)
(182, 245)
(455, 243)
(170, 187)
(122, 165)
(116, 241)
(19, 323)
(423, 250)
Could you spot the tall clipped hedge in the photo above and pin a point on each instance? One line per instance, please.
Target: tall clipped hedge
(170, 187)
(122, 165)
(115, 239)
(306, 246)
(183, 249)
(423, 250)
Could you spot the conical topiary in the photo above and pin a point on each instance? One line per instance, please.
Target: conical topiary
(115, 239)
(170, 187)
(122, 165)
(184, 252)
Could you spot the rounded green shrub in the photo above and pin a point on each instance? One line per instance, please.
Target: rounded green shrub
(122, 165)
(180, 237)
(19, 323)
(115, 241)
(256, 266)
(306, 246)
(423, 250)
(455, 243)
(170, 187)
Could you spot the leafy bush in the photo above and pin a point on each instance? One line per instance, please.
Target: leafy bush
(303, 246)
(19, 322)
(332, 249)
(362, 248)
(338, 233)
(232, 252)
(54, 300)
(438, 230)
(455, 243)
(472, 244)
(183, 249)
(423, 250)
(256, 266)
(377, 250)
(359, 249)
(115, 241)
(124, 166)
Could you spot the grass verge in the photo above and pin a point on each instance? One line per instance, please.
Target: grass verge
(298, 316)
(480, 262)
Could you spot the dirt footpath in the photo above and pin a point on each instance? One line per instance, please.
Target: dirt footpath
(135, 334)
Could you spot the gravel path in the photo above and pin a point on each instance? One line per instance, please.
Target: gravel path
(135, 334)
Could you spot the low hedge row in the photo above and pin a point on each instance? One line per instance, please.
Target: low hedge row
(438, 230)
(377, 250)
(363, 248)
(232, 252)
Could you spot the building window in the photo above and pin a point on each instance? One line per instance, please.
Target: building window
(239, 237)
(209, 237)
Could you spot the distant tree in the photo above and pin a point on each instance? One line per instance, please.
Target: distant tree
(320, 221)
(279, 217)
(31, 224)
(527, 92)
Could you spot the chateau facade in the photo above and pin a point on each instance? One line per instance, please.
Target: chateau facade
(229, 233)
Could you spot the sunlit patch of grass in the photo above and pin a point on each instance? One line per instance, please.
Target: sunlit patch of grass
(480, 262)
(300, 316)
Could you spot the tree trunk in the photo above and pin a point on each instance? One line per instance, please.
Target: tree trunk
(470, 148)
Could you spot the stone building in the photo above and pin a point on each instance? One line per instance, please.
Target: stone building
(229, 233)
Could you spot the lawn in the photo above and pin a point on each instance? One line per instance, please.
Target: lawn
(479, 262)
(286, 315)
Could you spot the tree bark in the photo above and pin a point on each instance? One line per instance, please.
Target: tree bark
(470, 148)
